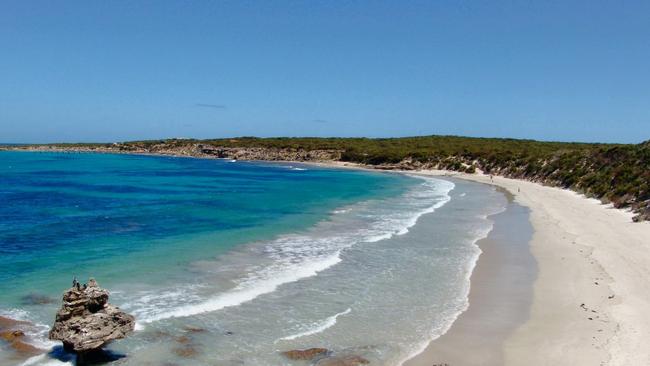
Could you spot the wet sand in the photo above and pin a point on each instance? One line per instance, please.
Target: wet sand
(592, 291)
(499, 300)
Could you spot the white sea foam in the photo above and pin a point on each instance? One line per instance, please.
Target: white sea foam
(149, 303)
(401, 221)
(317, 327)
(33, 360)
(36, 332)
(294, 257)
(44, 360)
(16, 314)
(443, 327)
(249, 290)
(291, 167)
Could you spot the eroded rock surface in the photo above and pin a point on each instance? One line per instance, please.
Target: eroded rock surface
(87, 322)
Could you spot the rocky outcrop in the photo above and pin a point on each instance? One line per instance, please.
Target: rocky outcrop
(324, 357)
(351, 360)
(643, 213)
(86, 321)
(12, 332)
(36, 299)
(305, 354)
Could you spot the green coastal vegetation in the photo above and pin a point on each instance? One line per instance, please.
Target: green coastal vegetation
(615, 173)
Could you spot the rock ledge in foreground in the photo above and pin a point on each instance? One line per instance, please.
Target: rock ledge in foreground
(86, 321)
(12, 332)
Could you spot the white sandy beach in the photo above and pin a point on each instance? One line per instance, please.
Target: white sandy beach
(593, 286)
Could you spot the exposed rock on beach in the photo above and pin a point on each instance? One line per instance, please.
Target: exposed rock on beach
(13, 333)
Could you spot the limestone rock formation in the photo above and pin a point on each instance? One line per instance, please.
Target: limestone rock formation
(86, 321)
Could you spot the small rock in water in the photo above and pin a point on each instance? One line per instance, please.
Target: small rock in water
(187, 347)
(11, 335)
(187, 351)
(86, 321)
(343, 361)
(36, 299)
(11, 332)
(192, 329)
(305, 354)
(183, 340)
(25, 349)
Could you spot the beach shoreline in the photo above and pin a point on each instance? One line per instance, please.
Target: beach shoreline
(592, 285)
(505, 270)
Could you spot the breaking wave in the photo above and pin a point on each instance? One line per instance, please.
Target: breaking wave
(317, 327)
(293, 257)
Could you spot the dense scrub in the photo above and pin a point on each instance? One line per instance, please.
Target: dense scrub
(614, 173)
(619, 174)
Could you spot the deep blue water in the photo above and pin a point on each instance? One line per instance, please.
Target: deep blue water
(136, 218)
(262, 257)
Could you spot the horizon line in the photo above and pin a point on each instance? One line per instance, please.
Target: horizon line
(320, 138)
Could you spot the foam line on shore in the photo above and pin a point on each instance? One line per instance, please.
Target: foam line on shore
(296, 257)
(242, 294)
(317, 327)
(443, 328)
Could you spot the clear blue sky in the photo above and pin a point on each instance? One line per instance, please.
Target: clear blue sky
(124, 70)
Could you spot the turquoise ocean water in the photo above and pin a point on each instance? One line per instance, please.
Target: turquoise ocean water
(263, 257)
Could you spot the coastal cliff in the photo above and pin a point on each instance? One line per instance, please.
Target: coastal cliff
(614, 173)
